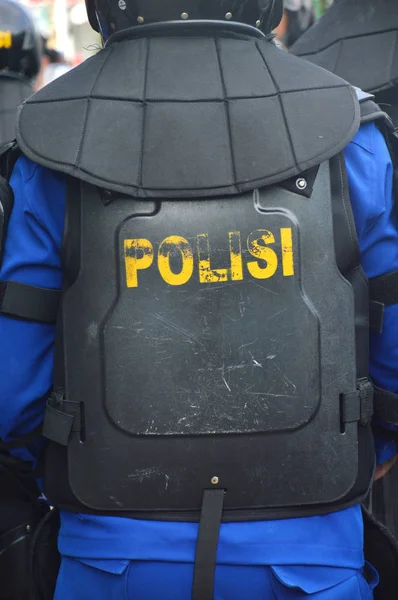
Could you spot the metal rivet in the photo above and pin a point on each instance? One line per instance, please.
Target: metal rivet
(301, 183)
(228, 16)
(140, 19)
(28, 529)
(258, 23)
(214, 480)
(122, 4)
(184, 16)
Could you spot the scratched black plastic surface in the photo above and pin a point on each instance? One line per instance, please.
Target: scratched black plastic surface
(239, 380)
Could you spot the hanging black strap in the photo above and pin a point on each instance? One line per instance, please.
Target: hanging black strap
(385, 406)
(207, 544)
(28, 302)
(383, 292)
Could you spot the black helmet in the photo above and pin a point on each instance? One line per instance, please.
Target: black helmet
(108, 16)
(20, 44)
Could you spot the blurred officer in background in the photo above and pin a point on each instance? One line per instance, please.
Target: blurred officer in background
(357, 40)
(300, 16)
(55, 65)
(20, 49)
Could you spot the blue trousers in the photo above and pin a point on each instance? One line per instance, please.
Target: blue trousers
(173, 581)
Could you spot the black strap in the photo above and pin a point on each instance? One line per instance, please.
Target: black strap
(44, 556)
(385, 406)
(358, 406)
(61, 418)
(22, 441)
(17, 475)
(376, 316)
(14, 562)
(384, 289)
(9, 154)
(27, 302)
(365, 391)
(207, 544)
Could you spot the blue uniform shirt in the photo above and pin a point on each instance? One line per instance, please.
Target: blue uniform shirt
(32, 256)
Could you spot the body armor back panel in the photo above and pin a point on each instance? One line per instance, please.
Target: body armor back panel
(211, 307)
(192, 354)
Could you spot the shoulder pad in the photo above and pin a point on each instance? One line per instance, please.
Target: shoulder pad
(258, 117)
(357, 41)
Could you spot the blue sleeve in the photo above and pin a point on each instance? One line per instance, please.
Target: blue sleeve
(31, 256)
(370, 177)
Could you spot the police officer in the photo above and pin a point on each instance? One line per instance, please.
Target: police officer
(357, 40)
(19, 63)
(300, 16)
(207, 406)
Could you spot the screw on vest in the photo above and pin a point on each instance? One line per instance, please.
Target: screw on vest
(139, 255)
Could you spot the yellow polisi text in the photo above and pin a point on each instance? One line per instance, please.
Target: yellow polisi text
(5, 39)
(139, 255)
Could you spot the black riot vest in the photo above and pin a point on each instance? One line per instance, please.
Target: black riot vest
(213, 331)
(14, 89)
(358, 40)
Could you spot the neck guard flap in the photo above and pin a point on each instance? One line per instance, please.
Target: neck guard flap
(188, 117)
(357, 40)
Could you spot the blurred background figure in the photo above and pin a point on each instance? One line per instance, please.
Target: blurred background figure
(300, 16)
(53, 65)
(67, 37)
(20, 49)
(357, 40)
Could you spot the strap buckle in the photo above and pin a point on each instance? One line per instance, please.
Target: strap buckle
(62, 418)
(358, 405)
(365, 392)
